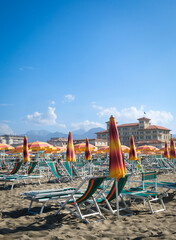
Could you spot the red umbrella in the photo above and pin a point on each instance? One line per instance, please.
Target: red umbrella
(70, 154)
(117, 167)
(26, 157)
(172, 149)
(166, 151)
(132, 153)
(87, 150)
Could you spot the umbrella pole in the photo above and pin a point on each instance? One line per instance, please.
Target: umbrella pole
(117, 200)
(71, 171)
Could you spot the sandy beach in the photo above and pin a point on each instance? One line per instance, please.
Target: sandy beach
(17, 223)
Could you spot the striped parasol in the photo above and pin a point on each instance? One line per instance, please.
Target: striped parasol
(26, 157)
(40, 146)
(132, 153)
(117, 167)
(172, 149)
(81, 147)
(166, 151)
(87, 150)
(70, 154)
(4, 146)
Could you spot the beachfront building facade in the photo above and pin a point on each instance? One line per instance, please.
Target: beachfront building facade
(99, 143)
(12, 140)
(61, 142)
(144, 133)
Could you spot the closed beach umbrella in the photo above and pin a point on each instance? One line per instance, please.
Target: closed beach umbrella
(166, 151)
(87, 150)
(117, 167)
(132, 152)
(26, 157)
(70, 154)
(172, 149)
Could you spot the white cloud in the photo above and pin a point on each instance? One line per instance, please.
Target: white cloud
(26, 68)
(131, 114)
(69, 98)
(48, 118)
(5, 129)
(86, 125)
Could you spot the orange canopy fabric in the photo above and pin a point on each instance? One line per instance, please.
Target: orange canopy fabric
(172, 149)
(125, 149)
(39, 146)
(132, 153)
(26, 157)
(81, 147)
(4, 146)
(147, 148)
(166, 151)
(117, 167)
(87, 150)
(70, 154)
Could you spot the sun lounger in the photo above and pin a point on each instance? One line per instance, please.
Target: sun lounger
(75, 199)
(17, 179)
(141, 193)
(56, 172)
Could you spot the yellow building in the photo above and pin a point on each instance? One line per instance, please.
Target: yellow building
(144, 133)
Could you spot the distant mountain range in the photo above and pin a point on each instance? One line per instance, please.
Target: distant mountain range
(43, 135)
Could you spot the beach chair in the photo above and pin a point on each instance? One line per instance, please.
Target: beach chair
(142, 193)
(32, 167)
(44, 196)
(105, 198)
(70, 168)
(76, 200)
(2, 164)
(16, 167)
(56, 173)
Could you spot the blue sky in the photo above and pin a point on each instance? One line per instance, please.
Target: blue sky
(66, 65)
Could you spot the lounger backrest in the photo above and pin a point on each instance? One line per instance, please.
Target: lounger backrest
(149, 176)
(70, 169)
(31, 167)
(16, 167)
(112, 193)
(54, 168)
(93, 185)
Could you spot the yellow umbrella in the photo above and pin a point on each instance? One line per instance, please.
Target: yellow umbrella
(40, 146)
(26, 157)
(132, 152)
(4, 146)
(87, 150)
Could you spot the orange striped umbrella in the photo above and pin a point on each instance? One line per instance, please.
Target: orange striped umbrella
(4, 146)
(166, 151)
(70, 154)
(103, 149)
(81, 147)
(125, 149)
(87, 150)
(132, 153)
(172, 149)
(117, 167)
(39, 146)
(26, 157)
(147, 148)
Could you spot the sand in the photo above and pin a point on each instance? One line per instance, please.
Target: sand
(17, 223)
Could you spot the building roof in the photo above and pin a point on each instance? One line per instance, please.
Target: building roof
(157, 127)
(128, 125)
(105, 131)
(144, 118)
